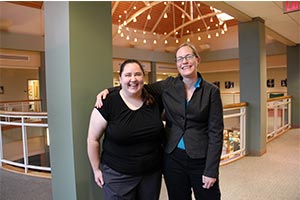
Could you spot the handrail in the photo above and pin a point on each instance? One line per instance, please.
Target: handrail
(21, 105)
(233, 112)
(234, 140)
(19, 101)
(279, 116)
(278, 98)
(23, 120)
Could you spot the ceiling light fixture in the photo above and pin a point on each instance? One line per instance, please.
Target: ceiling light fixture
(187, 12)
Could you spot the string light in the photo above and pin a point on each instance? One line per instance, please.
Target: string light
(219, 23)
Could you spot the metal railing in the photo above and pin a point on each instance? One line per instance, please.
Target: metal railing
(23, 134)
(21, 105)
(278, 116)
(17, 130)
(234, 144)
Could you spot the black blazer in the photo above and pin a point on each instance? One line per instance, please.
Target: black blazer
(200, 123)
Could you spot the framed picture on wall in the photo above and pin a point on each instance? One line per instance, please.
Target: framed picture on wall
(1, 89)
(284, 83)
(229, 84)
(270, 83)
(217, 83)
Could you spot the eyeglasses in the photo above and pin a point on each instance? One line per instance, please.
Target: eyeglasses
(188, 57)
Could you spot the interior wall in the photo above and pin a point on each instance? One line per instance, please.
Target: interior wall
(14, 82)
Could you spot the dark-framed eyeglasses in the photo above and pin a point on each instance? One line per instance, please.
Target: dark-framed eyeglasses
(188, 57)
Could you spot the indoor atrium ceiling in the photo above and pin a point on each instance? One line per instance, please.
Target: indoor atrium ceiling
(162, 25)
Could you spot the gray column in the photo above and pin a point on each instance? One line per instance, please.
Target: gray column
(42, 79)
(78, 48)
(252, 54)
(293, 80)
(152, 73)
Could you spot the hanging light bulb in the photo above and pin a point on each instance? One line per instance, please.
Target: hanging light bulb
(125, 23)
(222, 32)
(225, 27)
(122, 34)
(208, 36)
(199, 38)
(127, 38)
(211, 19)
(166, 41)
(134, 19)
(217, 34)
(165, 16)
(198, 29)
(188, 40)
(148, 17)
(182, 16)
(154, 42)
(135, 39)
(119, 31)
(144, 41)
(177, 41)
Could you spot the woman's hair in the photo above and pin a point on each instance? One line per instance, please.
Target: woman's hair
(147, 98)
(187, 44)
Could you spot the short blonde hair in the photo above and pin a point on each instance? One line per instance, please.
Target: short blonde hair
(187, 44)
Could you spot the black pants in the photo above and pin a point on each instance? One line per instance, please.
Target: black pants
(184, 175)
(118, 186)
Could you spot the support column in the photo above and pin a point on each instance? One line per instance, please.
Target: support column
(293, 80)
(78, 48)
(42, 78)
(152, 73)
(252, 54)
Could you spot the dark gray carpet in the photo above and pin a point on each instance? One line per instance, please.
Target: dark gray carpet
(14, 186)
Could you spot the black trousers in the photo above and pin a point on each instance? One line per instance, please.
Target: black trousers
(118, 186)
(183, 176)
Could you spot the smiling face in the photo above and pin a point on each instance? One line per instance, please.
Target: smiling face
(132, 79)
(187, 62)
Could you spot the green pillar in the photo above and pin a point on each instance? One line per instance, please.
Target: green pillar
(252, 55)
(293, 79)
(78, 49)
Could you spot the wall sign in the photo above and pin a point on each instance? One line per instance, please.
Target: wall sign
(290, 6)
